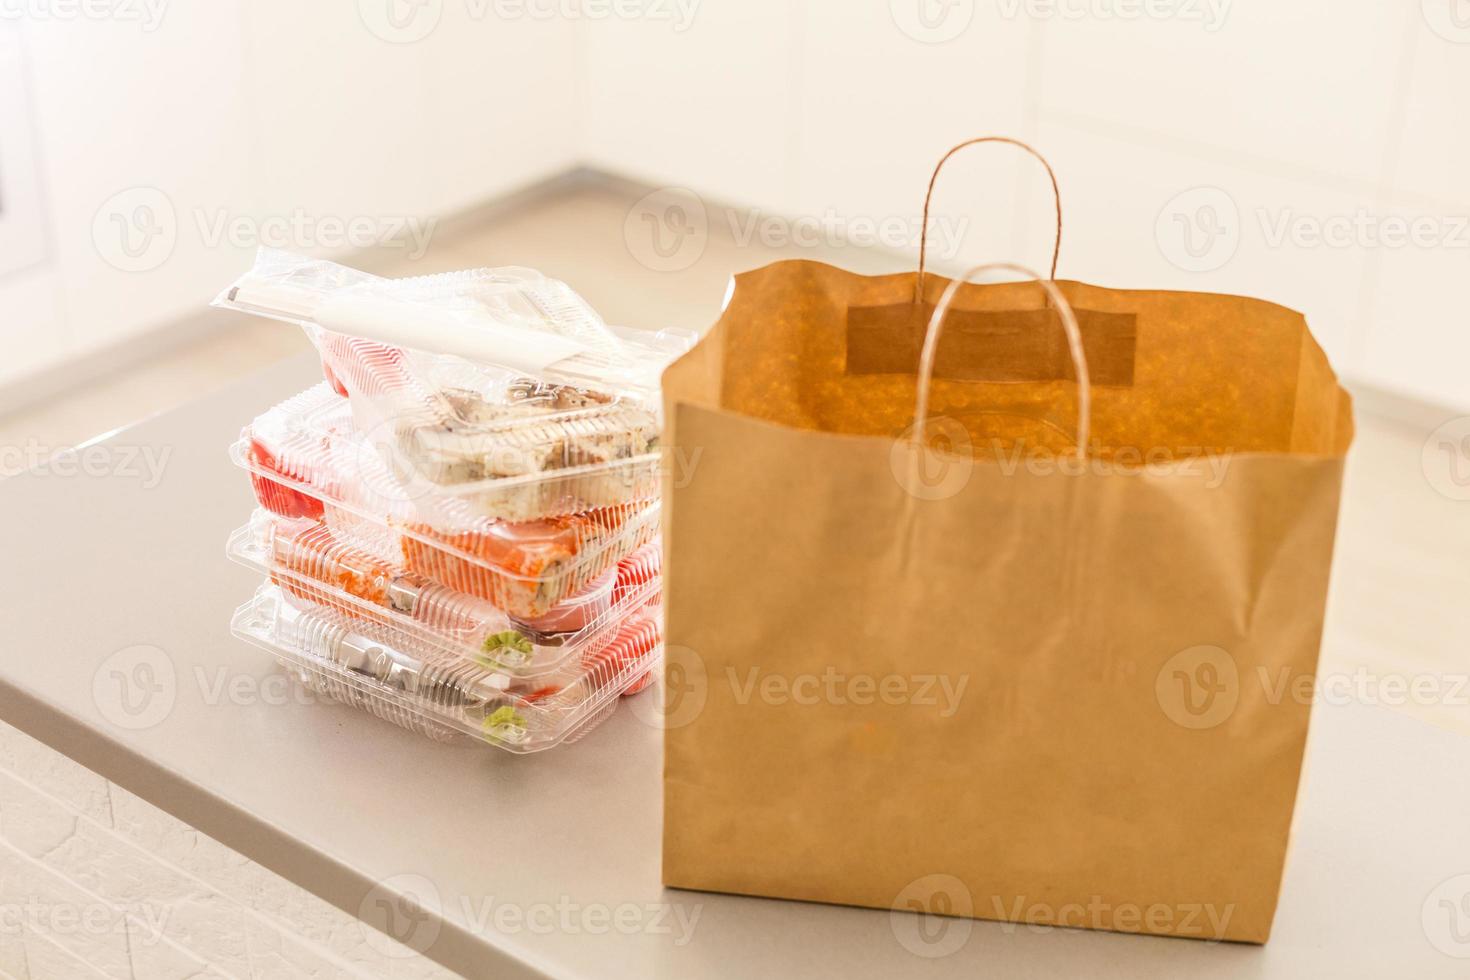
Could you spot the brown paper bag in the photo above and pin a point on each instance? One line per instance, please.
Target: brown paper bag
(995, 676)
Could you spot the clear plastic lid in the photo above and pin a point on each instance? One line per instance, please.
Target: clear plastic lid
(521, 467)
(313, 564)
(472, 378)
(446, 697)
(307, 460)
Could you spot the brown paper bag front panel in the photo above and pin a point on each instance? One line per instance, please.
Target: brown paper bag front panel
(1060, 777)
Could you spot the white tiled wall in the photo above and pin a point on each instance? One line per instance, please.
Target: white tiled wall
(94, 882)
(246, 110)
(1305, 113)
(707, 104)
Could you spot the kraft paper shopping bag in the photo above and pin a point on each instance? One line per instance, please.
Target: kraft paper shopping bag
(1021, 661)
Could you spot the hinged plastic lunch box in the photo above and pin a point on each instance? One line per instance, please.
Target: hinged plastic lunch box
(501, 386)
(307, 460)
(446, 697)
(312, 564)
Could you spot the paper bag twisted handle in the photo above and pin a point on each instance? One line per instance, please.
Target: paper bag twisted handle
(1069, 324)
(929, 194)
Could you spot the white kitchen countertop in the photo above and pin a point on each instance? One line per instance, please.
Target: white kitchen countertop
(117, 652)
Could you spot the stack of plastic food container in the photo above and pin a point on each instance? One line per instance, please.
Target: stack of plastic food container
(462, 547)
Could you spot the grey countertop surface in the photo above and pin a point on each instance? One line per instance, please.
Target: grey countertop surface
(117, 653)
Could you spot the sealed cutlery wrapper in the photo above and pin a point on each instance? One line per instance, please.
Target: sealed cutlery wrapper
(448, 697)
(510, 316)
(307, 460)
(314, 565)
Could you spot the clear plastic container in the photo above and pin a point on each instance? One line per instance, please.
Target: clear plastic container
(312, 564)
(639, 570)
(567, 422)
(307, 459)
(500, 444)
(447, 697)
